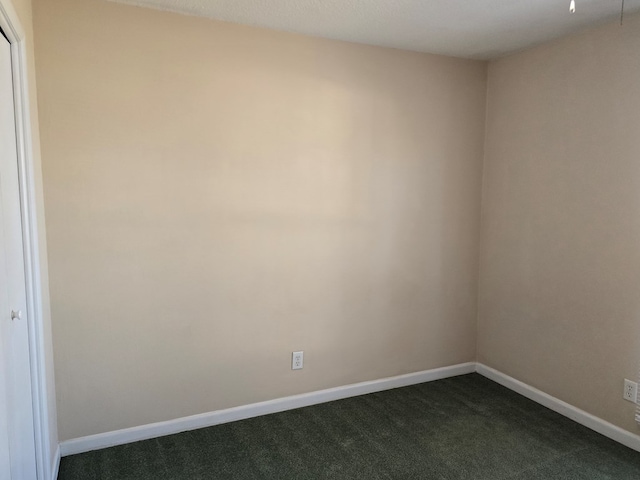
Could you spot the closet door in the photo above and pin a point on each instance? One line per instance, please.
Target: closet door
(17, 442)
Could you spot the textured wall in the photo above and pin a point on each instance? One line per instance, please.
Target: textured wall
(560, 269)
(218, 196)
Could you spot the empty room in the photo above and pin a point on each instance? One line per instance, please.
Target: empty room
(319, 239)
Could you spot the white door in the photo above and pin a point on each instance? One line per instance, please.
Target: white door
(17, 441)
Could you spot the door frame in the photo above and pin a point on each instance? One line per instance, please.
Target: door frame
(12, 28)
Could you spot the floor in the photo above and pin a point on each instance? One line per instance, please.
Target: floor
(466, 427)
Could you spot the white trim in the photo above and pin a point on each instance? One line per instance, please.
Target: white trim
(153, 430)
(9, 22)
(12, 28)
(580, 416)
(55, 467)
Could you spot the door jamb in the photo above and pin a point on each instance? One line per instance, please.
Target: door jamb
(12, 28)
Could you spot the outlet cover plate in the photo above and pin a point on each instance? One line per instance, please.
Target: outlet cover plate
(630, 392)
(297, 360)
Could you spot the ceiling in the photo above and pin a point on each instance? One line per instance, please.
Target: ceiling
(481, 29)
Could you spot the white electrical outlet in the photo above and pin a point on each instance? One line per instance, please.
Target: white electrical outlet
(630, 391)
(297, 360)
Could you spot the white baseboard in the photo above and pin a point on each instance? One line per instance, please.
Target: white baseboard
(580, 416)
(56, 464)
(153, 430)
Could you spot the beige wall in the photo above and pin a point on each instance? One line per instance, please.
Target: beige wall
(25, 14)
(560, 270)
(218, 196)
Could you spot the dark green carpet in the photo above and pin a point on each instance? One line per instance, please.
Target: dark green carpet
(465, 427)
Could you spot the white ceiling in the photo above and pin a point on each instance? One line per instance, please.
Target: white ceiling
(480, 29)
